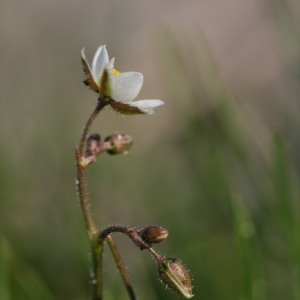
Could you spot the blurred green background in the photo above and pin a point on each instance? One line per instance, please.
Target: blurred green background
(218, 165)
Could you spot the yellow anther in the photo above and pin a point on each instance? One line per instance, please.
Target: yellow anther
(116, 73)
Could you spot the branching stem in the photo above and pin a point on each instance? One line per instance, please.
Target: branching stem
(96, 245)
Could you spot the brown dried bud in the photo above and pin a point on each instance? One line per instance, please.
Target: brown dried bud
(174, 274)
(119, 143)
(93, 144)
(153, 234)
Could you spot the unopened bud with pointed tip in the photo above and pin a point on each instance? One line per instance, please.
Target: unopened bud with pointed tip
(153, 234)
(175, 275)
(119, 143)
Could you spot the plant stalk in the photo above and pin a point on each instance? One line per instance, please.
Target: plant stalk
(96, 248)
(120, 265)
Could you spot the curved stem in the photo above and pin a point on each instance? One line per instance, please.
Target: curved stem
(81, 174)
(101, 103)
(95, 242)
(130, 232)
(96, 248)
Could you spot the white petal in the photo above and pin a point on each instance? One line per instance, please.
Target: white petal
(126, 86)
(100, 60)
(147, 106)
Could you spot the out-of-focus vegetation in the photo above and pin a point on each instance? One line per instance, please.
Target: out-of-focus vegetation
(218, 165)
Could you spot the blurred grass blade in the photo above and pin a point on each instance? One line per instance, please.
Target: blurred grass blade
(32, 284)
(4, 280)
(285, 185)
(252, 284)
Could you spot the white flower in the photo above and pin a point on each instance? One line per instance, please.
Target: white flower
(118, 89)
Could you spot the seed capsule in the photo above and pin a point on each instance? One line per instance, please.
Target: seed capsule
(174, 274)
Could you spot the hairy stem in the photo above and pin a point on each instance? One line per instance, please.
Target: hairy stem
(97, 276)
(84, 199)
(122, 269)
(81, 174)
(130, 232)
(96, 248)
(101, 103)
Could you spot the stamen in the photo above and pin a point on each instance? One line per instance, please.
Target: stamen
(116, 72)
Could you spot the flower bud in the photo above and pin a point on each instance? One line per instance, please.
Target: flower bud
(93, 144)
(119, 143)
(153, 234)
(174, 274)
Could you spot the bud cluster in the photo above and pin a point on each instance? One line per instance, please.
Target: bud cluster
(113, 144)
(171, 271)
